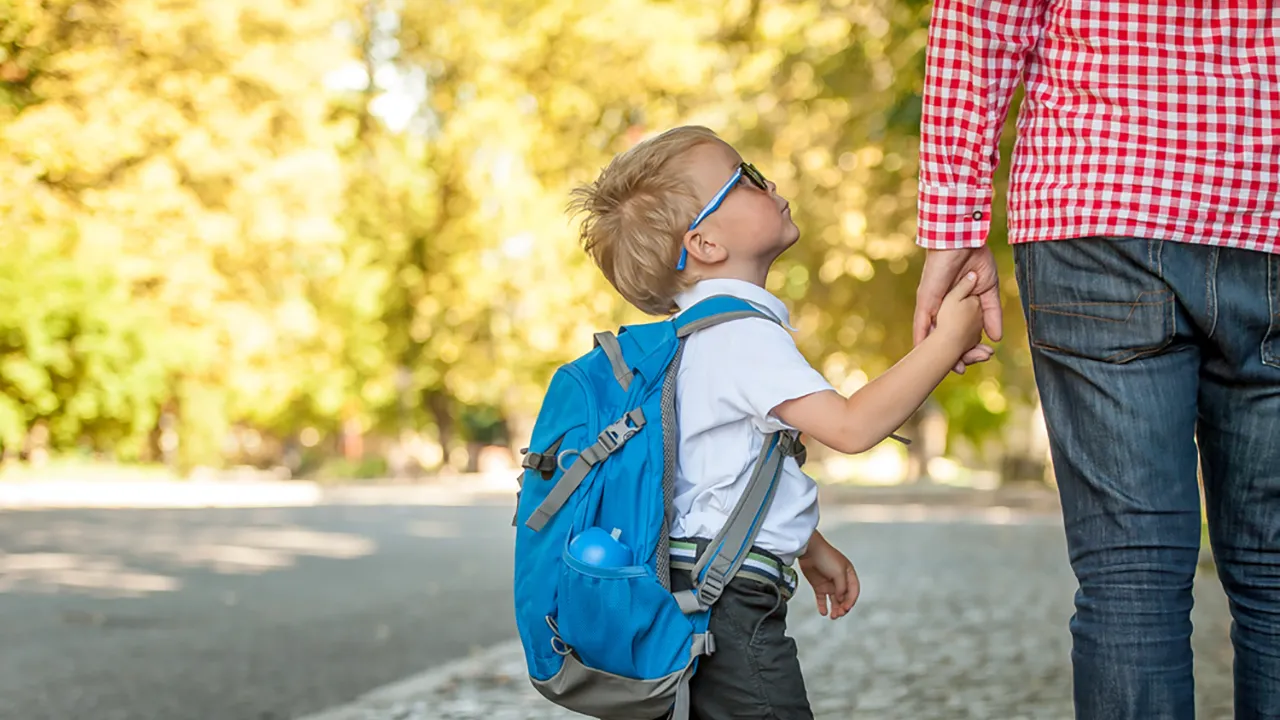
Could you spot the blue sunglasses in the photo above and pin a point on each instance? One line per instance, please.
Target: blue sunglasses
(745, 170)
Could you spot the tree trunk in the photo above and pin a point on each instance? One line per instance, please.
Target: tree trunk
(438, 403)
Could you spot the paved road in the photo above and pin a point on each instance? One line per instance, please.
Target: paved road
(963, 617)
(273, 614)
(239, 614)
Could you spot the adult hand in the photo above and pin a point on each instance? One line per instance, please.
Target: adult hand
(942, 270)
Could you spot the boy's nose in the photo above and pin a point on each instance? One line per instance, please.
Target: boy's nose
(773, 187)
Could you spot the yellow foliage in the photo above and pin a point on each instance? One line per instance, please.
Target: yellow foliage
(353, 211)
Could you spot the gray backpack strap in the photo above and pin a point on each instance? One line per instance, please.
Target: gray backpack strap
(727, 551)
(680, 710)
(685, 330)
(704, 644)
(613, 350)
(609, 440)
(707, 322)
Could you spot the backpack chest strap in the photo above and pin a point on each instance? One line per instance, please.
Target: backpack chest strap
(607, 442)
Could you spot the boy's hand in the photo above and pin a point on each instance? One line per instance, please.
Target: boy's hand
(942, 268)
(829, 572)
(960, 320)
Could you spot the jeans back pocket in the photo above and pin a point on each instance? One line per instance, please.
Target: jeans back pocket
(1097, 298)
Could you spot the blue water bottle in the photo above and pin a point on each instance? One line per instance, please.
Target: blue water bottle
(601, 549)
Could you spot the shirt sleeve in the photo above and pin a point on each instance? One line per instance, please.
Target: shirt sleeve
(974, 59)
(763, 368)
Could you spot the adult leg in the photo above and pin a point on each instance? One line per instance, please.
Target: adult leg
(1239, 435)
(1117, 365)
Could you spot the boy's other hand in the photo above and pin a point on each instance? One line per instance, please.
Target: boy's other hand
(832, 577)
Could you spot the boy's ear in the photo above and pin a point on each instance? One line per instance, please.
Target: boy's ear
(703, 249)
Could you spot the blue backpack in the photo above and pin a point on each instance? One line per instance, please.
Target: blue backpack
(603, 634)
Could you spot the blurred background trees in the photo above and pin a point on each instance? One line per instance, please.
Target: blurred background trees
(330, 234)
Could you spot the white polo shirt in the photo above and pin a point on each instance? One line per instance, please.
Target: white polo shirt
(731, 377)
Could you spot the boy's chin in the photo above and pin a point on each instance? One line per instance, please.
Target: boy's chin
(785, 244)
(790, 236)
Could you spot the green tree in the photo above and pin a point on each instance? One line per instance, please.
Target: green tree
(188, 146)
(348, 215)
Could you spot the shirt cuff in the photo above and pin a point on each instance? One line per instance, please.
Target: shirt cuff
(952, 217)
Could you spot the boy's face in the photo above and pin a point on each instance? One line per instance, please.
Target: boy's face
(751, 225)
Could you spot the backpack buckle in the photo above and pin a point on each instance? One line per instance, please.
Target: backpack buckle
(614, 435)
(544, 462)
(710, 589)
(620, 431)
(791, 446)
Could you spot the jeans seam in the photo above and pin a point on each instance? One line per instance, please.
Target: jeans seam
(1133, 353)
(1173, 305)
(1028, 273)
(1211, 290)
(1052, 308)
(1273, 321)
(1139, 301)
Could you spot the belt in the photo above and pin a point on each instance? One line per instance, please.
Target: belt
(759, 565)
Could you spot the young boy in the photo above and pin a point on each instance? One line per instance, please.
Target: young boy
(677, 219)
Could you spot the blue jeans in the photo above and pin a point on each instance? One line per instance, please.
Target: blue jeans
(1142, 350)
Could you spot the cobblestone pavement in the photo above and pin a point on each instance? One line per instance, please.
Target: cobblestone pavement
(961, 616)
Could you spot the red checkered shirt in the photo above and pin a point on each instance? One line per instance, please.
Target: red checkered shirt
(1147, 118)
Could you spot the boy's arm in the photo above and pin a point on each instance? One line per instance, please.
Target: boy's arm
(857, 423)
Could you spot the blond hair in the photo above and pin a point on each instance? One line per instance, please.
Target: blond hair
(637, 212)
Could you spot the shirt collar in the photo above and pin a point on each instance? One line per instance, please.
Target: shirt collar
(741, 289)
